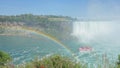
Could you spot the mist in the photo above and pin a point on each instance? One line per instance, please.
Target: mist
(103, 10)
(92, 31)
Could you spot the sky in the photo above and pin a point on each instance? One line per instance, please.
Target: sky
(83, 9)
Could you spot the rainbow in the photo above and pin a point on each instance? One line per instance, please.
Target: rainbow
(29, 29)
(47, 36)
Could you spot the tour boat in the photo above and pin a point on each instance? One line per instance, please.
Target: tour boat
(85, 49)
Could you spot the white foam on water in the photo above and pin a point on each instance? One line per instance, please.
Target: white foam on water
(103, 36)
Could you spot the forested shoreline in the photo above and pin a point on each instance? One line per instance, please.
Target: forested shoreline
(57, 26)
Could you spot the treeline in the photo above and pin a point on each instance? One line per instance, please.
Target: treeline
(30, 19)
(57, 25)
(44, 21)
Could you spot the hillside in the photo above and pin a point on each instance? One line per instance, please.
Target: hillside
(58, 26)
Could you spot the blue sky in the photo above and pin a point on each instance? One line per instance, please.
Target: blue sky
(86, 9)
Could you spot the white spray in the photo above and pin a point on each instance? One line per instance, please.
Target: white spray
(90, 30)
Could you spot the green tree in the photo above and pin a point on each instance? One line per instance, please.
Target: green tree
(56, 61)
(4, 58)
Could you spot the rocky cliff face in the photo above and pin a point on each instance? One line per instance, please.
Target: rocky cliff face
(57, 26)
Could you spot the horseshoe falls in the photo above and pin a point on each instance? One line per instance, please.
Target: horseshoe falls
(102, 36)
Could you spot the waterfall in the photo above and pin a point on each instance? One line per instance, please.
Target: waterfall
(90, 30)
(102, 36)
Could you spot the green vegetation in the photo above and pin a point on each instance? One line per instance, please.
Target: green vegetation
(2, 29)
(54, 61)
(118, 59)
(118, 63)
(58, 26)
(4, 58)
(35, 20)
(29, 18)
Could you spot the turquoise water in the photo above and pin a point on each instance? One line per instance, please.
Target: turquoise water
(24, 49)
(104, 38)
